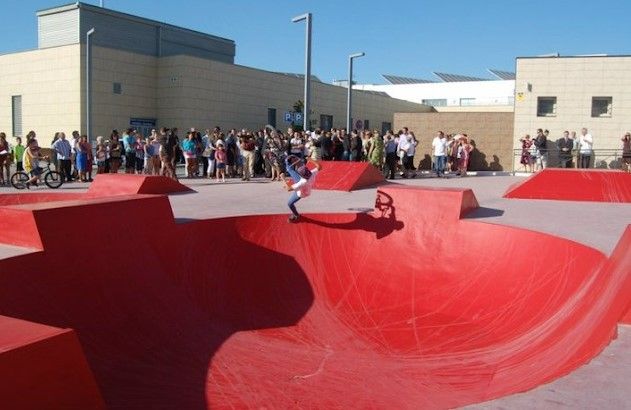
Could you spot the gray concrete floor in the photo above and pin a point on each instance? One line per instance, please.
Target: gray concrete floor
(601, 384)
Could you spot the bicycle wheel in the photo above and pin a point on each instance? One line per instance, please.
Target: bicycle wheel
(53, 179)
(19, 180)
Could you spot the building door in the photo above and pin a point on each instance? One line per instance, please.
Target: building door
(326, 122)
(143, 125)
(385, 127)
(271, 117)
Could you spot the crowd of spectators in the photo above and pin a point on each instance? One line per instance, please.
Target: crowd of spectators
(241, 154)
(571, 149)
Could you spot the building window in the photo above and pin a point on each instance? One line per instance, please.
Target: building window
(326, 122)
(117, 88)
(271, 117)
(467, 101)
(16, 114)
(546, 107)
(435, 102)
(601, 107)
(366, 124)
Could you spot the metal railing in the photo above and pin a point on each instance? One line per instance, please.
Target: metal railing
(599, 159)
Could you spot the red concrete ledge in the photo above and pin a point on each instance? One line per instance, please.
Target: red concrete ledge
(43, 367)
(347, 176)
(574, 185)
(128, 184)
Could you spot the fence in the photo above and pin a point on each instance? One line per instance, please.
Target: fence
(600, 159)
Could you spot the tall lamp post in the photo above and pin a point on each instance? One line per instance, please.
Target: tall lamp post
(88, 80)
(349, 96)
(307, 98)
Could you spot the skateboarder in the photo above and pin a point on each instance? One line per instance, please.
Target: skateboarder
(303, 179)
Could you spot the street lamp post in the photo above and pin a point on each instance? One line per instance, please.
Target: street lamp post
(88, 80)
(349, 97)
(307, 98)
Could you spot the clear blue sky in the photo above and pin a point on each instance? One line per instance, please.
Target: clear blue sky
(406, 37)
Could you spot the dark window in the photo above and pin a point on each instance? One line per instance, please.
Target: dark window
(271, 117)
(435, 102)
(546, 107)
(117, 88)
(16, 114)
(366, 124)
(326, 122)
(601, 107)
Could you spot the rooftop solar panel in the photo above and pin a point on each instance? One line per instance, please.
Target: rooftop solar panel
(396, 79)
(453, 78)
(502, 75)
(296, 75)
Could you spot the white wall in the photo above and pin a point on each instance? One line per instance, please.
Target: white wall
(490, 92)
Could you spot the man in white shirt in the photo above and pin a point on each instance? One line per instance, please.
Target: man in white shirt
(439, 144)
(406, 149)
(585, 144)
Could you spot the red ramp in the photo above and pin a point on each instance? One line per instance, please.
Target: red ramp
(347, 176)
(408, 306)
(42, 367)
(127, 184)
(574, 185)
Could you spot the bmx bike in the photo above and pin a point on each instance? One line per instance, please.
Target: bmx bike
(53, 179)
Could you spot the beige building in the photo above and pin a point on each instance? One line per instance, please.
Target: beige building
(569, 93)
(149, 74)
(491, 134)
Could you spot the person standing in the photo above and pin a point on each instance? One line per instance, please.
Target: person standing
(168, 143)
(585, 144)
(356, 147)
(541, 142)
(565, 145)
(626, 152)
(439, 144)
(129, 144)
(526, 158)
(4, 158)
(116, 152)
(248, 147)
(64, 156)
(376, 150)
(391, 155)
(18, 154)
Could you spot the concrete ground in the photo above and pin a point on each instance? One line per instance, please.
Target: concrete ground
(601, 384)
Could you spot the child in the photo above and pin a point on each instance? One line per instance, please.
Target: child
(101, 157)
(221, 158)
(18, 154)
(31, 162)
(303, 179)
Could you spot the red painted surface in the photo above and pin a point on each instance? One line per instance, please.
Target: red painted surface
(129, 184)
(42, 367)
(574, 185)
(405, 307)
(347, 176)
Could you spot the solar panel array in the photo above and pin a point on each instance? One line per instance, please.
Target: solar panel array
(301, 76)
(502, 75)
(395, 79)
(456, 78)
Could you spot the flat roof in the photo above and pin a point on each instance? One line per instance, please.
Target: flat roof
(575, 56)
(131, 17)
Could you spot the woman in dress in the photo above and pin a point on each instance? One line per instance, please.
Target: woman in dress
(82, 148)
(526, 158)
(376, 150)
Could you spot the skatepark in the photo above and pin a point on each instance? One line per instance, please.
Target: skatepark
(426, 293)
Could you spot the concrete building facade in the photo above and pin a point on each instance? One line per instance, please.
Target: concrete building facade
(148, 74)
(569, 93)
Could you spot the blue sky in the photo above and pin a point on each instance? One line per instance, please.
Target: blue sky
(406, 37)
